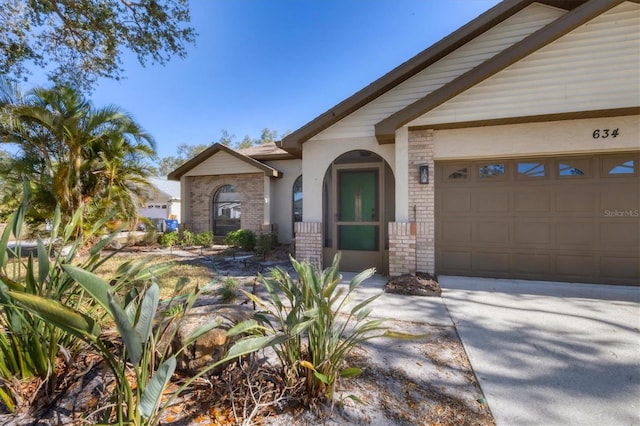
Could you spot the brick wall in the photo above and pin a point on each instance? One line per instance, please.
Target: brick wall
(250, 188)
(308, 237)
(412, 245)
(402, 248)
(422, 198)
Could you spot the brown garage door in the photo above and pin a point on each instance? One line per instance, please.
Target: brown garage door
(563, 219)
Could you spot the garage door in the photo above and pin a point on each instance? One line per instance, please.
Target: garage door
(562, 219)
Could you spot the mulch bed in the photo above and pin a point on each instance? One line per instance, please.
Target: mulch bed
(420, 284)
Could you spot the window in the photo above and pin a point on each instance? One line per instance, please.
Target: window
(623, 168)
(226, 210)
(297, 201)
(532, 169)
(570, 169)
(458, 174)
(491, 171)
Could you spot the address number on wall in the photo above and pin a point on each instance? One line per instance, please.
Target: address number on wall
(605, 133)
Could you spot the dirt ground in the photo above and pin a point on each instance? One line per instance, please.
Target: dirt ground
(427, 381)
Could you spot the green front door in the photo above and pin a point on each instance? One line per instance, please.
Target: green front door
(357, 230)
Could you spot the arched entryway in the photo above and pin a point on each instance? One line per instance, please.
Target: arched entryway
(358, 202)
(226, 210)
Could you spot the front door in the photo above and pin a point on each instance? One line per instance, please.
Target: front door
(358, 225)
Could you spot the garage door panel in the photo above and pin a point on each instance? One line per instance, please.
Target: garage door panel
(457, 202)
(620, 198)
(456, 231)
(495, 262)
(493, 202)
(529, 232)
(532, 263)
(621, 266)
(491, 233)
(578, 200)
(575, 265)
(574, 234)
(532, 202)
(620, 235)
(574, 219)
(459, 261)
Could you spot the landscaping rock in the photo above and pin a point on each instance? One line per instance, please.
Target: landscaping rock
(420, 284)
(211, 346)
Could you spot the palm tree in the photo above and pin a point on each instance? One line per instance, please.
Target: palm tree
(74, 152)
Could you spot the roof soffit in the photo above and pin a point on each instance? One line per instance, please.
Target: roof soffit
(292, 143)
(385, 129)
(211, 151)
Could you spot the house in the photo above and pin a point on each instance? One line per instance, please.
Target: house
(163, 201)
(510, 148)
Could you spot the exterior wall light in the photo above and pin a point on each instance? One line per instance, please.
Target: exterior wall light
(424, 174)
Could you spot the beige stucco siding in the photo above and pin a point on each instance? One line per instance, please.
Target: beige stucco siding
(361, 123)
(222, 164)
(538, 139)
(280, 202)
(596, 66)
(318, 156)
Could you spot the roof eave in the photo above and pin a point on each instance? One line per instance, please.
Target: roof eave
(385, 129)
(293, 142)
(212, 150)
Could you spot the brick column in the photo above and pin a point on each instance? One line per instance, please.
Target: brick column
(422, 198)
(308, 237)
(402, 248)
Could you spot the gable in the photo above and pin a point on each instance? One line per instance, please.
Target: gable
(594, 67)
(508, 32)
(222, 163)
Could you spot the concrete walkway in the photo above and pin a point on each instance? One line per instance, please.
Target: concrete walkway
(551, 353)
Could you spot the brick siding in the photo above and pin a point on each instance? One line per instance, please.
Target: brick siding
(404, 257)
(402, 248)
(308, 245)
(250, 188)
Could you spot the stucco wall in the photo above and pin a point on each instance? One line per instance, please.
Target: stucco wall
(280, 203)
(531, 139)
(202, 189)
(318, 156)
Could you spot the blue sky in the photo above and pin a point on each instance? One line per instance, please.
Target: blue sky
(276, 63)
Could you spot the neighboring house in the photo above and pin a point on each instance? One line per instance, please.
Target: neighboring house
(163, 201)
(224, 189)
(510, 148)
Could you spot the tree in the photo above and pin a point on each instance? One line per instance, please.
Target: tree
(73, 153)
(185, 152)
(85, 39)
(247, 142)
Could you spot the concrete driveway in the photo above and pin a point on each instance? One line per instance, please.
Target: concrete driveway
(551, 353)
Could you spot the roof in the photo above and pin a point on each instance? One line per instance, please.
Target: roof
(170, 188)
(211, 151)
(266, 151)
(580, 12)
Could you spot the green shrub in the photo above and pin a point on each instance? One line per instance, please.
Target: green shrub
(169, 239)
(229, 290)
(29, 345)
(317, 306)
(204, 239)
(242, 238)
(188, 238)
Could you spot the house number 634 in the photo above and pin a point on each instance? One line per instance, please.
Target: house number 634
(605, 133)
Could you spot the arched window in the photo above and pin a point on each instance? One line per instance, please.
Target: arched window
(226, 210)
(297, 200)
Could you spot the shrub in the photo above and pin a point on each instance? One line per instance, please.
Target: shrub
(204, 239)
(242, 238)
(29, 345)
(317, 306)
(169, 239)
(188, 238)
(229, 290)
